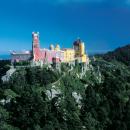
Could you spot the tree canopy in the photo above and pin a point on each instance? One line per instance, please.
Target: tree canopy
(38, 98)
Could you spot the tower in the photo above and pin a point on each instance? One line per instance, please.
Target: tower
(36, 47)
(82, 49)
(79, 48)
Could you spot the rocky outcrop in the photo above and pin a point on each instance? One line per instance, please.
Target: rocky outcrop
(6, 77)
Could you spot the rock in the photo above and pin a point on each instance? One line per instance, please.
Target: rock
(6, 77)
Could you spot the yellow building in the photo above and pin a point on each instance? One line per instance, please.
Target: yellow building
(69, 55)
(80, 54)
(77, 53)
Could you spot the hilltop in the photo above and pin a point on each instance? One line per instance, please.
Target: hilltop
(80, 97)
(121, 54)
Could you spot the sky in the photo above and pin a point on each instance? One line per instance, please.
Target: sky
(102, 24)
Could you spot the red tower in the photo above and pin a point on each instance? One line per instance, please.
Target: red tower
(36, 47)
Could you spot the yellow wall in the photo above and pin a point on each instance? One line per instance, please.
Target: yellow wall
(84, 58)
(69, 55)
(82, 49)
(82, 53)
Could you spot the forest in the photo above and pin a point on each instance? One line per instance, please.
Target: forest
(43, 98)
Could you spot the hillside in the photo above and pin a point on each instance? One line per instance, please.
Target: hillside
(93, 97)
(4, 66)
(121, 54)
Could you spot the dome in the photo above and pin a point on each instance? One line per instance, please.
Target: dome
(51, 47)
(77, 42)
(57, 47)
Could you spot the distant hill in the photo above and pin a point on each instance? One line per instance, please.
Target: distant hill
(121, 54)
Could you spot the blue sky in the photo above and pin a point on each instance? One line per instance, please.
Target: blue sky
(102, 24)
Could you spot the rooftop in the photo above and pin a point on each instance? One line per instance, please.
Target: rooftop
(20, 52)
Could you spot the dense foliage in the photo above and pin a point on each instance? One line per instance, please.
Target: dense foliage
(45, 99)
(121, 54)
(4, 66)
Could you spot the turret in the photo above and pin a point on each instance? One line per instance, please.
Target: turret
(82, 48)
(36, 46)
(80, 53)
(79, 48)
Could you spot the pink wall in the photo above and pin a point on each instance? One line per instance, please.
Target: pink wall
(49, 55)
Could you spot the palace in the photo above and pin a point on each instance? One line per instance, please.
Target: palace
(53, 54)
